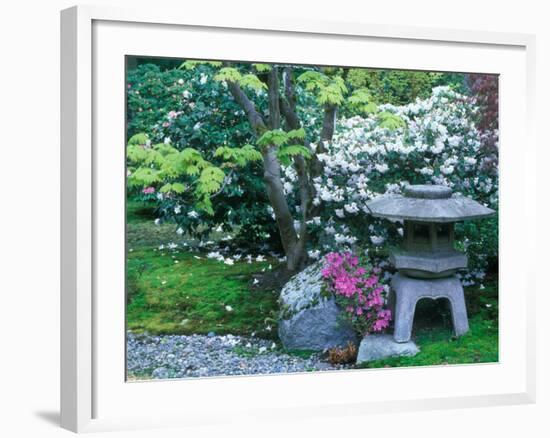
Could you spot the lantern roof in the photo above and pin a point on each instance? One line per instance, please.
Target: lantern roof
(428, 203)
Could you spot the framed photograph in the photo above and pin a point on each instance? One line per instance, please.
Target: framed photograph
(257, 214)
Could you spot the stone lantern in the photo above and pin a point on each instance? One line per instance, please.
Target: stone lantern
(427, 261)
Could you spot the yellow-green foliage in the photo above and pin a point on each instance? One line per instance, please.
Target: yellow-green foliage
(362, 101)
(182, 172)
(285, 142)
(329, 89)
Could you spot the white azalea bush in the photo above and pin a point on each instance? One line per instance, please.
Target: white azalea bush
(437, 143)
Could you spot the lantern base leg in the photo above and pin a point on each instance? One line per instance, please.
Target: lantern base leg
(407, 291)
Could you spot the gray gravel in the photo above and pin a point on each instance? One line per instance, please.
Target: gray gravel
(178, 356)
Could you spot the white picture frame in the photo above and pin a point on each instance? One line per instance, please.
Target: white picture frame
(91, 389)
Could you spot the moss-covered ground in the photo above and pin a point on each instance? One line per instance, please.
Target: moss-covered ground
(179, 291)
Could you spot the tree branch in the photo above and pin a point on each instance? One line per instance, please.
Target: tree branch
(273, 93)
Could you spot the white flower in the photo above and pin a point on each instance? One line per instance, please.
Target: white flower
(248, 345)
(179, 231)
(314, 254)
(229, 261)
(426, 171)
(377, 240)
(351, 208)
(382, 168)
(193, 214)
(317, 220)
(470, 160)
(438, 147)
(172, 245)
(260, 258)
(203, 79)
(339, 212)
(262, 350)
(197, 126)
(273, 346)
(157, 221)
(229, 308)
(330, 230)
(180, 81)
(255, 282)
(177, 209)
(186, 94)
(167, 140)
(447, 170)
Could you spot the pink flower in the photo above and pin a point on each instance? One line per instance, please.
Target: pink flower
(357, 290)
(148, 190)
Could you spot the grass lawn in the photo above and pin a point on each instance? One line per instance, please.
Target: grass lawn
(178, 291)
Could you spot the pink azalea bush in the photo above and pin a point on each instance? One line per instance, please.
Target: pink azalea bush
(358, 291)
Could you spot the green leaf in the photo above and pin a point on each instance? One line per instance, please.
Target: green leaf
(294, 149)
(390, 121)
(138, 139)
(262, 68)
(210, 180)
(190, 64)
(190, 155)
(144, 176)
(228, 74)
(330, 89)
(370, 108)
(205, 204)
(360, 96)
(251, 81)
(275, 137)
(192, 170)
(178, 187)
(137, 154)
(297, 133)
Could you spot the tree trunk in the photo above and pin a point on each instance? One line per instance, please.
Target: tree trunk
(294, 247)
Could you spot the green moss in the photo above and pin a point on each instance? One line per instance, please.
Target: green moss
(174, 292)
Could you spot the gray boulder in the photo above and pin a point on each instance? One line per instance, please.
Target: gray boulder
(374, 347)
(309, 318)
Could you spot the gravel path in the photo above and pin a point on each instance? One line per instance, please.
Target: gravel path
(174, 356)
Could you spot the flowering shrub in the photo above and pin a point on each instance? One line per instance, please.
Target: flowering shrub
(358, 292)
(438, 143)
(187, 109)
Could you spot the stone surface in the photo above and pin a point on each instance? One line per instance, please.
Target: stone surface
(427, 207)
(375, 347)
(184, 356)
(426, 264)
(427, 191)
(309, 320)
(407, 291)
